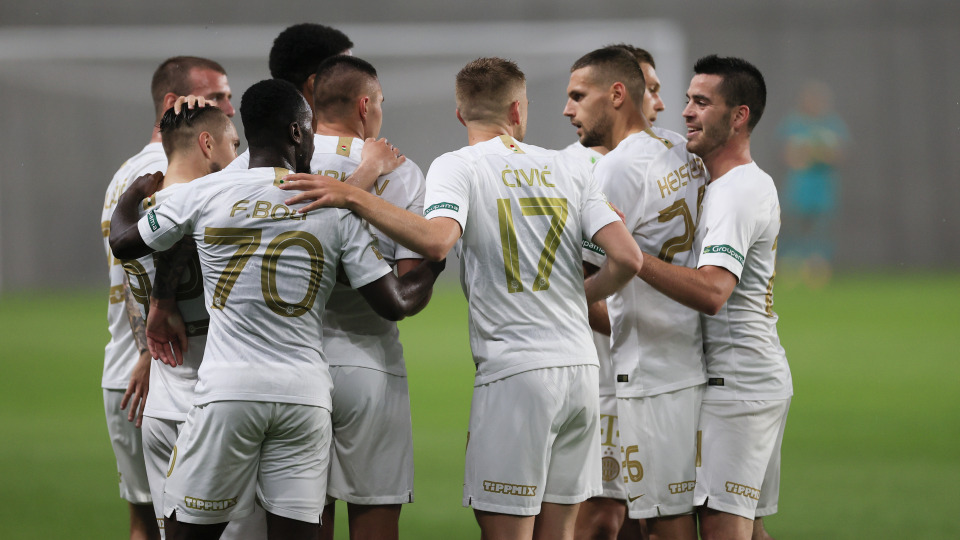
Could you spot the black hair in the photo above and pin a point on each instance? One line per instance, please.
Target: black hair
(268, 108)
(615, 64)
(179, 130)
(741, 83)
(300, 48)
(340, 80)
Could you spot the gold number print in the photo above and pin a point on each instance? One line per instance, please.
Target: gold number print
(139, 282)
(247, 241)
(268, 272)
(683, 242)
(556, 209)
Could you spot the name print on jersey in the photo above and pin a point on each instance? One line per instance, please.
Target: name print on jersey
(531, 177)
(680, 177)
(266, 209)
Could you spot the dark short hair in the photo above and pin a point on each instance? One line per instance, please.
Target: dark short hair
(486, 87)
(299, 49)
(173, 76)
(642, 55)
(178, 131)
(741, 83)
(268, 108)
(340, 80)
(615, 64)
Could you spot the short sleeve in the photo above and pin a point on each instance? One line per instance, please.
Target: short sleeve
(729, 222)
(415, 184)
(448, 189)
(359, 255)
(164, 225)
(595, 211)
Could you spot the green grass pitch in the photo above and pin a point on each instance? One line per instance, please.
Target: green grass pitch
(870, 451)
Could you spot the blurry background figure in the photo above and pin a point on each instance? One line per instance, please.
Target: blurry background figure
(814, 139)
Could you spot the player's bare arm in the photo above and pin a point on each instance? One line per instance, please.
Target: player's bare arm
(166, 333)
(431, 238)
(704, 289)
(139, 385)
(377, 158)
(394, 298)
(597, 312)
(624, 261)
(125, 239)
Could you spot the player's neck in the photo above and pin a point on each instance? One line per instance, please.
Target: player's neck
(626, 125)
(478, 133)
(734, 153)
(181, 171)
(338, 129)
(155, 134)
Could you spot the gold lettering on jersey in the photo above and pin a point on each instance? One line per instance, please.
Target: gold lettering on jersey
(339, 175)
(264, 210)
(682, 487)
(745, 491)
(607, 422)
(380, 188)
(530, 177)
(509, 489)
(209, 506)
(680, 177)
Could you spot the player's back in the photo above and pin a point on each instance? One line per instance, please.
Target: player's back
(524, 212)
(268, 272)
(354, 335)
(121, 352)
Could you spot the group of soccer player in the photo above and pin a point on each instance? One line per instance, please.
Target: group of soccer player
(255, 373)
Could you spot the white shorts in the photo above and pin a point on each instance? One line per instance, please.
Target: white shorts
(371, 456)
(610, 459)
(230, 453)
(740, 457)
(159, 437)
(534, 437)
(658, 438)
(125, 438)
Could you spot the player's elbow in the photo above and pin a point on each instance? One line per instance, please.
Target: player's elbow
(120, 247)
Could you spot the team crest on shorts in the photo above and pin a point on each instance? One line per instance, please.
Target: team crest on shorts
(611, 468)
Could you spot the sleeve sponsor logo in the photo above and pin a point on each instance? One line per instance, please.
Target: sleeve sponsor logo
(152, 221)
(442, 206)
(724, 249)
(592, 247)
(509, 489)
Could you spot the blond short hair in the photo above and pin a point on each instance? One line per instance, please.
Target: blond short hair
(486, 87)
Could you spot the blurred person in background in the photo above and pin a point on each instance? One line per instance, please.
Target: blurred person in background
(814, 138)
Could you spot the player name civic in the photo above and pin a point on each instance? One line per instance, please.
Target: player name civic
(530, 177)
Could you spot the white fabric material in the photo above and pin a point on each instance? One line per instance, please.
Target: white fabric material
(740, 454)
(738, 231)
(353, 334)
(120, 354)
(610, 458)
(127, 448)
(659, 452)
(525, 292)
(549, 453)
(231, 453)
(656, 342)
(267, 272)
(371, 457)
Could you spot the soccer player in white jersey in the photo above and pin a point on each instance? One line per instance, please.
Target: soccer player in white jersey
(656, 345)
(749, 383)
(260, 425)
(519, 213)
(605, 516)
(126, 365)
(371, 461)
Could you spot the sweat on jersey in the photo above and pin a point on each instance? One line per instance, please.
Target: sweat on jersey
(524, 212)
(656, 342)
(738, 231)
(267, 273)
(121, 354)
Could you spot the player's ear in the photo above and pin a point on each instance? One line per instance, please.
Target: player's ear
(295, 134)
(618, 93)
(168, 100)
(460, 118)
(205, 141)
(741, 117)
(307, 89)
(362, 107)
(516, 117)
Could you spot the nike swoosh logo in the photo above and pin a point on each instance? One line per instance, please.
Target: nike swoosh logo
(631, 499)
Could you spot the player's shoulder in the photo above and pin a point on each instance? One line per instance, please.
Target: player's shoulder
(669, 135)
(746, 186)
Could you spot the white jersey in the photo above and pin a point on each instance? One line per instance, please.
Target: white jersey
(600, 341)
(738, 231)
(267, 273)
(525, 291)
(242, 162)
(171, 388)
(656, 343)
(353, 334)
(121, 354)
